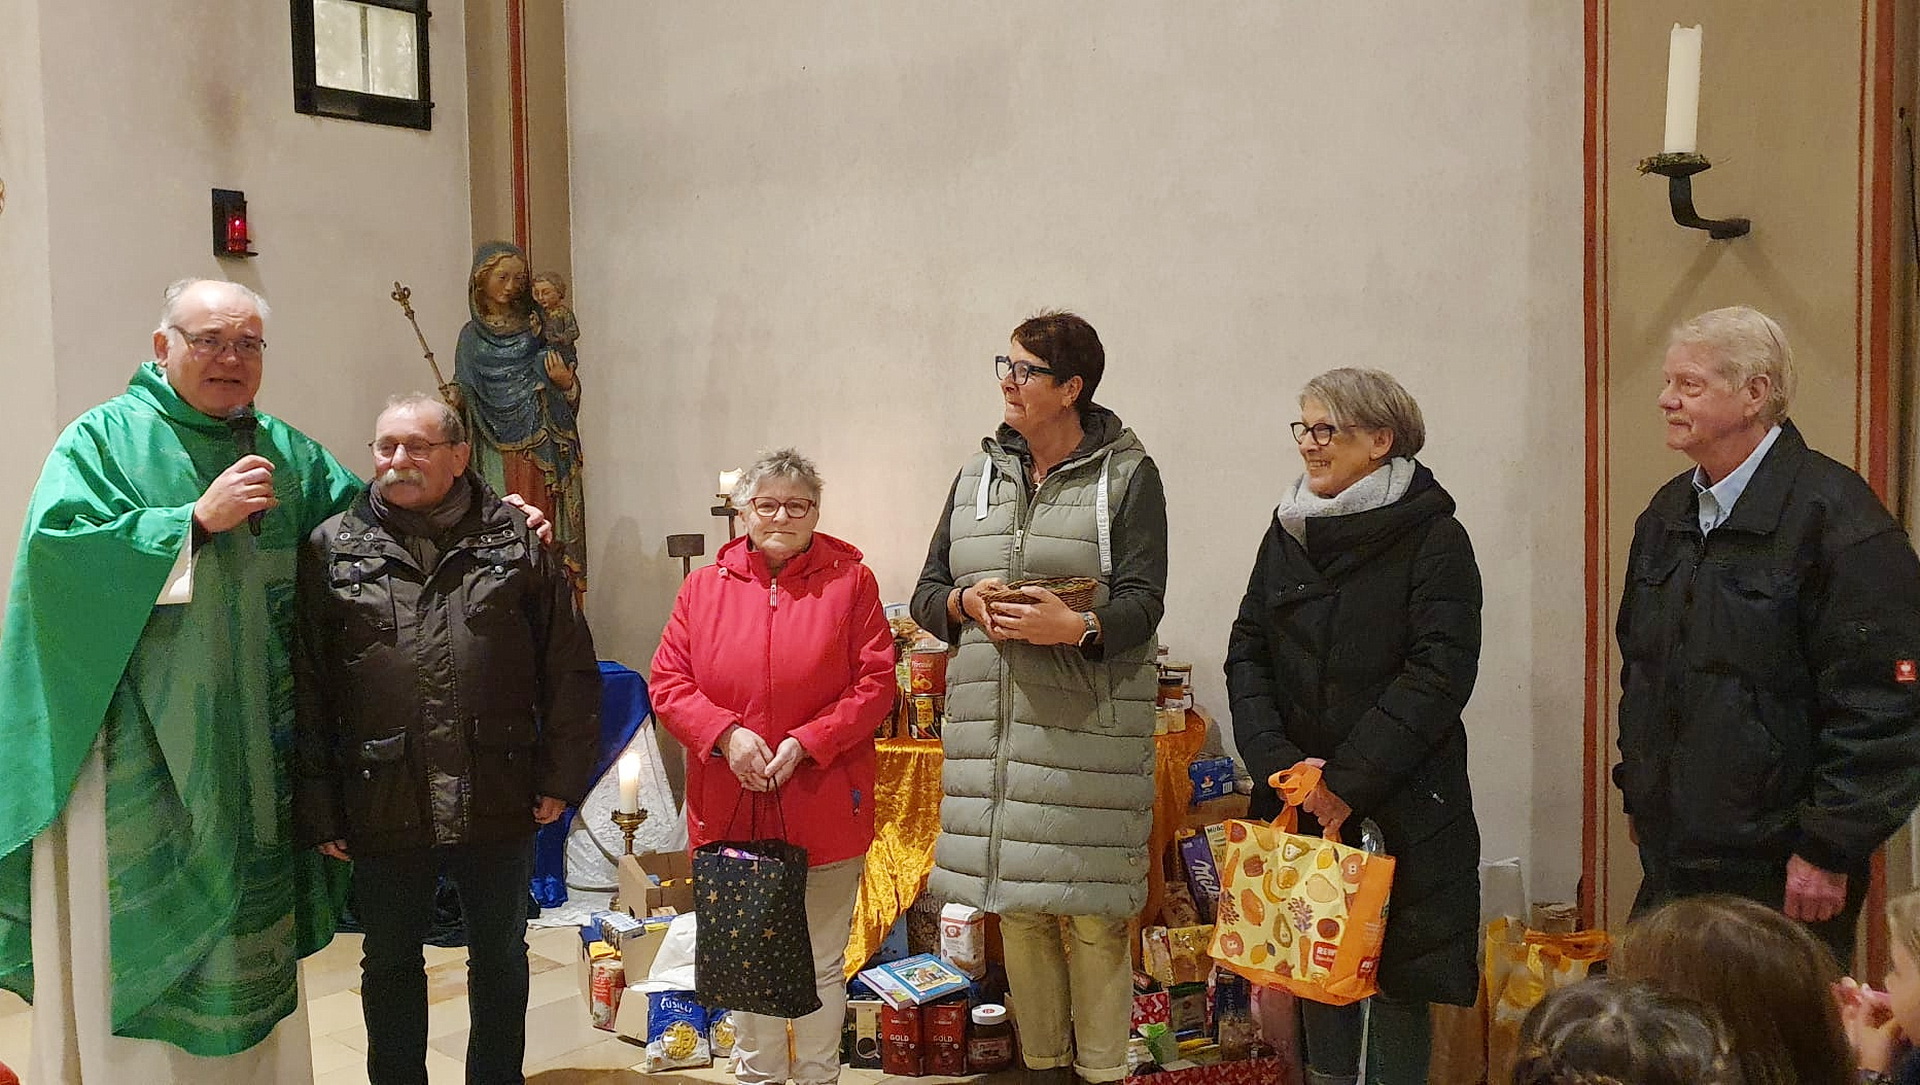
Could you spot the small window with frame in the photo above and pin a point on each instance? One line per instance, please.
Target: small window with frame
(362, 60)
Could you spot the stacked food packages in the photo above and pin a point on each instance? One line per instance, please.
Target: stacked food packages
(1175, 696)
(920, 672)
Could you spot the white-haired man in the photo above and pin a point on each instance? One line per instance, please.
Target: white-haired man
(1769, 636)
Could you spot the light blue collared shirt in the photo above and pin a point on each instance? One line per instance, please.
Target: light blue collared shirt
(1716, 501)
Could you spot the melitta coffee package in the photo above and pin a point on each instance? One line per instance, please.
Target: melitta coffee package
(901, 1052)
(944, 1037)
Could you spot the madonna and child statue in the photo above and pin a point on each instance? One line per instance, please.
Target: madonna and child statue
(516, 386)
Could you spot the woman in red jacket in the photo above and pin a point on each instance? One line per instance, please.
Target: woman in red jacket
(773, 672)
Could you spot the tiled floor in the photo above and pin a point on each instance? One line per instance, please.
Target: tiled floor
(562, 1048)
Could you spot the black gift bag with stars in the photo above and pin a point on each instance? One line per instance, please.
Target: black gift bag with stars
(753, 953)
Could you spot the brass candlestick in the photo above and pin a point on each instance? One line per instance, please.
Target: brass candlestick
(628, 823)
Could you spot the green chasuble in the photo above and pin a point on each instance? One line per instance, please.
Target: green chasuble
(211, 905)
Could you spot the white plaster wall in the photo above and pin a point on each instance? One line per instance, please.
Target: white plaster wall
(148, 107)
(815, 223)
(26, 302)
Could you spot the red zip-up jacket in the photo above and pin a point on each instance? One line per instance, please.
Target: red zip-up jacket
(807, 654)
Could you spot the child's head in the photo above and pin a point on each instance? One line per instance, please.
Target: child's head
(1768, 978)
(549, 289)
(1903, 972)
(1609, 1031)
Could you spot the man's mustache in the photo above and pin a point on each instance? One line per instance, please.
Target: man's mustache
(402, 474)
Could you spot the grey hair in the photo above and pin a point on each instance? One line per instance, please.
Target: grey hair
(1748, 343)
(170, 300)
(779, 463)
(451, 428)
(1371, 398)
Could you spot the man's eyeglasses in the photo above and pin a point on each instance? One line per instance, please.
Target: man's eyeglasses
(212, 346)
(768, 507)
(1322, 432)
(1021, 371)
(387, 449)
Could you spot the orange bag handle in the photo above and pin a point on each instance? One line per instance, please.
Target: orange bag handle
(1294, 785)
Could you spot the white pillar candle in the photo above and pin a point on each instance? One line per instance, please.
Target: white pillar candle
(1683, 90)
(728, 480)
(629, 783)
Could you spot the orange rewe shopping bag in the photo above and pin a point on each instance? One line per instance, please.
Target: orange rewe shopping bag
(1303, 913)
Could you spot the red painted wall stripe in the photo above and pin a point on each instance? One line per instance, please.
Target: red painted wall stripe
(517, 107)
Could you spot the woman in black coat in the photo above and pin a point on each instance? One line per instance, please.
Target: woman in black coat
(1356, 648)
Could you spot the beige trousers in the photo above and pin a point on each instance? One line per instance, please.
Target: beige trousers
(760, 1053)
(1071, 1010)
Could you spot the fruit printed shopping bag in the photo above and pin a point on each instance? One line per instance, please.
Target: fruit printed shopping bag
(1304, 913)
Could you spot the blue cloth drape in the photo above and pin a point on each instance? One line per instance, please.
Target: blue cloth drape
(623, 711)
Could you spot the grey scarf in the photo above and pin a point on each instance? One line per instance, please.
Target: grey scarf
(423, 532)
(1388, 483)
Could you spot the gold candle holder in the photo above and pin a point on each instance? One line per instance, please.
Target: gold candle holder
(628, 823)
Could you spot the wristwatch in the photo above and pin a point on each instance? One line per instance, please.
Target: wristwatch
(1092, 634)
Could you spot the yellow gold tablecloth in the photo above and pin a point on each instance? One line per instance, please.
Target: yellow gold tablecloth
(906, 816)
(1172, 795)
(907, 822)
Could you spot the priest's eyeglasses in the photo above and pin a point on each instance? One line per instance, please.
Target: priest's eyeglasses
(797, 508)
(246, 347)
(1021, 371)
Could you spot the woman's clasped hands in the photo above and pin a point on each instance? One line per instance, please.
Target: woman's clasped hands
(758, 767)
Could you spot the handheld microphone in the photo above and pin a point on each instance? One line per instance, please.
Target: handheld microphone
(242, 422)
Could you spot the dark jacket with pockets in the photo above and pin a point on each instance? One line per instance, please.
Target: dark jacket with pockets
(1768, 687)
(1362, 648)
(435, 705)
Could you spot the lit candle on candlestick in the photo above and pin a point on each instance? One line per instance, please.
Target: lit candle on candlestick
(629, 782)
(1683, 90)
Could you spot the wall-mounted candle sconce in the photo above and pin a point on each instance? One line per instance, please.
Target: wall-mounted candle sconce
(686, 548)
(728, 479)
(231, 236)
(1681, 159)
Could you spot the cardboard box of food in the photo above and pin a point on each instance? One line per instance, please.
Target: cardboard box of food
(671, 884)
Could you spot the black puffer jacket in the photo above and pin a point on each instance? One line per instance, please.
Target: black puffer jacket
(1769, 702)
(434, 706)
(1362, 648)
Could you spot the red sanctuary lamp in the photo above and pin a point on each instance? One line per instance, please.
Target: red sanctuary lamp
(231, 237)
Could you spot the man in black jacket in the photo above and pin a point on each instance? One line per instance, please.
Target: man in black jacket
(447, 702)
(1769, 631)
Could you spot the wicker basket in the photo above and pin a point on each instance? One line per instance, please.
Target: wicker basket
(1075, 591)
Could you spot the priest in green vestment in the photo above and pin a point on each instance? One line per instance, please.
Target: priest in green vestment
(146, 665)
